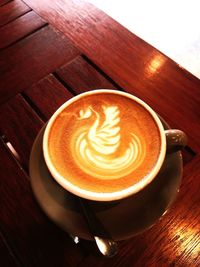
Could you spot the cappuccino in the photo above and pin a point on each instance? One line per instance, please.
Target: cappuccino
(104, 142)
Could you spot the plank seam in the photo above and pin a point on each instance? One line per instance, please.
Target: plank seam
(25, 36)
(5, 3)
(14, 154)
(34, 108)
(64, 83)
(16, 17)
(93, 65)
(190, 151)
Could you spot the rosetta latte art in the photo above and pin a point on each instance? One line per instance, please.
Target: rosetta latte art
(98, 147)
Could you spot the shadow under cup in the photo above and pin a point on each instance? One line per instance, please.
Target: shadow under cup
(106, 145)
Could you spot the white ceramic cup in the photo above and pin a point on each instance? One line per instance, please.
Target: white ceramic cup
(171, 140)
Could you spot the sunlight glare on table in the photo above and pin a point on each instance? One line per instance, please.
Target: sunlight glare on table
(170, 26)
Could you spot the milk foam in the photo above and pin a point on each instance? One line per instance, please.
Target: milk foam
(100, 149)
(104, 142)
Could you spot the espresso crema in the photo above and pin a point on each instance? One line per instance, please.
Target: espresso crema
(104, 142)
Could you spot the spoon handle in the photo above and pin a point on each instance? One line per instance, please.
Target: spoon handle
(104, 241)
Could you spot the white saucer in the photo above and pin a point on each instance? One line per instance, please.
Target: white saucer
(123, 219)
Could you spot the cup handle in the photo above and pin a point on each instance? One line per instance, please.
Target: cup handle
(176, 140)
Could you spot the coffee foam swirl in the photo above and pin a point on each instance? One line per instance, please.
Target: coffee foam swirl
(99, 147)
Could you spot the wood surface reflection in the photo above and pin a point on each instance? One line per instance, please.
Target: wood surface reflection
(49, 52)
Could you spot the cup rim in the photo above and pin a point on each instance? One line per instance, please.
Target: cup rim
(111, 196)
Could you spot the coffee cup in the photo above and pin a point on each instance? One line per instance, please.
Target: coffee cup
(106, 145)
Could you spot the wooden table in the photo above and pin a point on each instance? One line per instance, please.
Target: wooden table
(49, 51)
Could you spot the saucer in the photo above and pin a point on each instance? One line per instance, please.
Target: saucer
(123, 219)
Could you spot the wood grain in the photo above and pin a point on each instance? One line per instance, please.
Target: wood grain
(7, 257)
(180, 225)
(20, 126)
(20, 28)
(107, 55)
(12, 10)
(31, 59)
(77, 75)
(36, 241)
(47, 95)
(82, 76)
(130, 62)
(3, 2)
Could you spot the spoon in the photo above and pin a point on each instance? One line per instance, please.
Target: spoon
(106, 245)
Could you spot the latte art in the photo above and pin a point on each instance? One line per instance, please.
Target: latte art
(103, 142)
(98, 148)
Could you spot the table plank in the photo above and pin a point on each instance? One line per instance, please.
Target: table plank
(82, 76)
(47, 95)
(3, 2)
(19, 125)
(20, 28)
(12, 10)
(36, 241)
(77, 75)
(31, 59)
(129, 61)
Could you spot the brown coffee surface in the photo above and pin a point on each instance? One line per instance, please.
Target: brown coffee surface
(104, 142)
